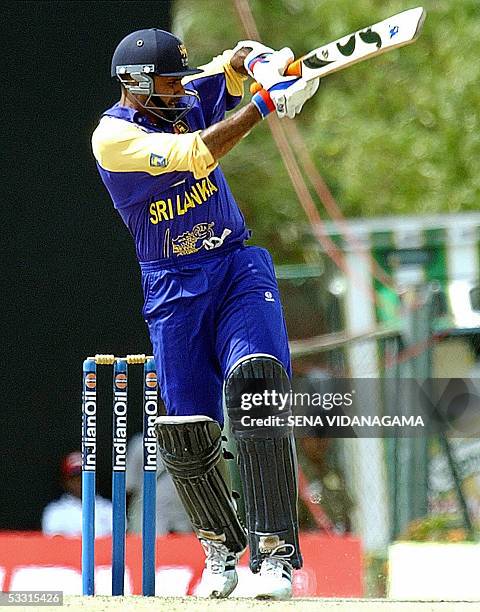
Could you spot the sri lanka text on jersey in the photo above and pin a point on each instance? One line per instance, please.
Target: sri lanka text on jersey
(165, 210)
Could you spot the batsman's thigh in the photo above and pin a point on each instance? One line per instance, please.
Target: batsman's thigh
(251, 320)
(188, 372)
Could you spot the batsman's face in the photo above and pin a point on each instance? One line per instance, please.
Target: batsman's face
(169, 99)
(169, 88)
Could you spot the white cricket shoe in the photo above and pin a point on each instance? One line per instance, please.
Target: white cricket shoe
(276, 574)
(219, 577)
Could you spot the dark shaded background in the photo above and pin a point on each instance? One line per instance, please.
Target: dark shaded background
(71, 282)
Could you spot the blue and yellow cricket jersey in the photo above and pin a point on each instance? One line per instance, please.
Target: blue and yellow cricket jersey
(167, 187)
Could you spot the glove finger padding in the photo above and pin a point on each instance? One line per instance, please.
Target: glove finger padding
(281, 59)
(257, 47)
(289, 101)
(268, 69)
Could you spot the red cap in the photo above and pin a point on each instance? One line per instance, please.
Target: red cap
(72, 464)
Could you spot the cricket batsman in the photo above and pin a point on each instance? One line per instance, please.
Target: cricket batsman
(212, 303)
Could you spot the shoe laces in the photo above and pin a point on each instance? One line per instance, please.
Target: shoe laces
(278, 560)
(217, 556)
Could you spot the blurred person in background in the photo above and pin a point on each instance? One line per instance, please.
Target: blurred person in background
(171, 516)
(64, 515)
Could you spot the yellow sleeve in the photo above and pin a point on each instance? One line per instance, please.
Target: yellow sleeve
(121, 146)
(219, 64)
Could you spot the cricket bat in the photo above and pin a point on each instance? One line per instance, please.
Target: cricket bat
(396, 31)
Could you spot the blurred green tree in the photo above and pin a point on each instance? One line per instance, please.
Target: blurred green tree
(398, 134)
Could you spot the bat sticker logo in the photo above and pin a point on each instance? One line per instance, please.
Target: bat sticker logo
(348, 48)
(393, 31)
(316, 62)
(371, 38)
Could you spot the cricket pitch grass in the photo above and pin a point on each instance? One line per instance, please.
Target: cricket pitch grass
(194, 604)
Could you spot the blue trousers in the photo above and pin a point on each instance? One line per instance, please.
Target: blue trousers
(204, 317)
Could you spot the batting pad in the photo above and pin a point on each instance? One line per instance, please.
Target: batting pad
(267, 459)
(190, 447)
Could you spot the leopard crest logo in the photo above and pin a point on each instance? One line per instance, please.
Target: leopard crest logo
(183, 54)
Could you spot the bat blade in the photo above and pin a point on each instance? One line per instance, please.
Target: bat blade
(396, 31)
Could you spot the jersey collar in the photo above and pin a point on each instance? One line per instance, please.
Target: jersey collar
(129, 114)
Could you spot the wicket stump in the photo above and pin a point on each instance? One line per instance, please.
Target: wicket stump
(119, 457)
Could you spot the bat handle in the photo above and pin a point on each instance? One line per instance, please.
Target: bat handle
(293, 69)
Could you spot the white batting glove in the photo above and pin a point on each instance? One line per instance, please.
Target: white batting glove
(267, 68)
(289, 100)
(264, 64)
(258, 48)
(286, 97)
